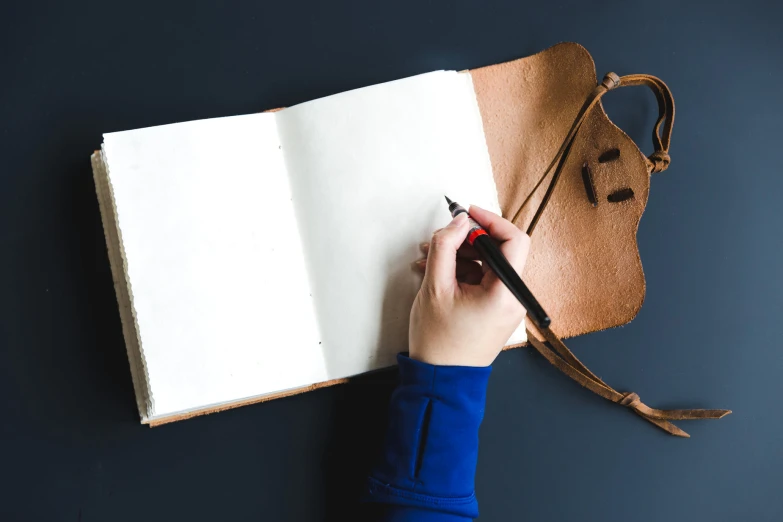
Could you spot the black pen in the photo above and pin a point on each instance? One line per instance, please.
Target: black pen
(497, 262)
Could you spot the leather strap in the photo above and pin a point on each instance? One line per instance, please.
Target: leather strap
(658, 161)
(556, 352)
(547, 343)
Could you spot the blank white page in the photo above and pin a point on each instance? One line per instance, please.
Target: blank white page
(214, 261)
(368, 171)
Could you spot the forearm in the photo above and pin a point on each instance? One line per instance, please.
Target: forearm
(428, 464)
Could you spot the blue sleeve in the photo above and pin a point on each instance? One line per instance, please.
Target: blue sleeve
(428, 464)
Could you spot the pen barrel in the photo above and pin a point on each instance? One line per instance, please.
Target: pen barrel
(491, 255)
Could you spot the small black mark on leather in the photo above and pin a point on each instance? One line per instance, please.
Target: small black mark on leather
(609, 155)
(587, 178)
(620, 195)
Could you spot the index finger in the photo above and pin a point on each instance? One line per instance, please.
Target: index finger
(514, 243)
(498, 227)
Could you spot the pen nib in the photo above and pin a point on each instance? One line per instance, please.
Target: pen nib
(448, 200)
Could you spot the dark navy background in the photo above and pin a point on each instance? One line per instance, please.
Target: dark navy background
(709, 334)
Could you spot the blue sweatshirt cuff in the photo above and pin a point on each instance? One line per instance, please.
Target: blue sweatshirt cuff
(431, 448)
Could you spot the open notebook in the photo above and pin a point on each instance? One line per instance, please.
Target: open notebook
(258, 254)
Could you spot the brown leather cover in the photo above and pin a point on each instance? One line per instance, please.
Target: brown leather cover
(584, 264)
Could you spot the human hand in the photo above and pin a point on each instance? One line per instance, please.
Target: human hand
(463, 314)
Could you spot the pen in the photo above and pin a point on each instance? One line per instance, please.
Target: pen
(491, 255)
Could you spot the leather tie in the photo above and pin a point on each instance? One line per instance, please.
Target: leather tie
(555, 351)
(630, 400)
(658, 161)
(544, 340)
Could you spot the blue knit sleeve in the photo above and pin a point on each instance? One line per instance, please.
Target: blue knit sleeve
(428, 464)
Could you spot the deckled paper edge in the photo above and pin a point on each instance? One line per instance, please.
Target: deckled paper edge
(122, 286)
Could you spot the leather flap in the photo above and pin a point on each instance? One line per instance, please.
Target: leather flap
(584, 265)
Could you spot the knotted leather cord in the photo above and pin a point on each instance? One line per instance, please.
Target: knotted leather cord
(552, 348)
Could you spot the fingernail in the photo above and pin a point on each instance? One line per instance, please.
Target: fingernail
(424, 247)
(421, 263)
(459, 219)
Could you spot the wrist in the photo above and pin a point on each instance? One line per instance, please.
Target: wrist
(455, 355)
(432, 443)
(450, 361)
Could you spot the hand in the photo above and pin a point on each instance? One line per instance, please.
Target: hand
(463, 314)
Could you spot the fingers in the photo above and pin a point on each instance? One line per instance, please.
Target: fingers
(450, 260)
(499, 228)
(516, 251)
(467, 271)
(465, 251)
(514, 243)
(440, 272)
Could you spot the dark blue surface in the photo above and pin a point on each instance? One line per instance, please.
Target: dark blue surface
(708, 335)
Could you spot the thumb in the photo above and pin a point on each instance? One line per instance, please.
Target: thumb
(441, 267)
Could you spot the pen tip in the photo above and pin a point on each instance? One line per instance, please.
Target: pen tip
(448, 200)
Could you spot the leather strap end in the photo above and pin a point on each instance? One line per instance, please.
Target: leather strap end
(696, 414)
(666, 426)
(555, 351)
(661, 418)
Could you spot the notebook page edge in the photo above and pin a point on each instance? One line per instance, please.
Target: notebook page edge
(122, 287)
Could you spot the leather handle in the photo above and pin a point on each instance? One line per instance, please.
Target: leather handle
(658, 161)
